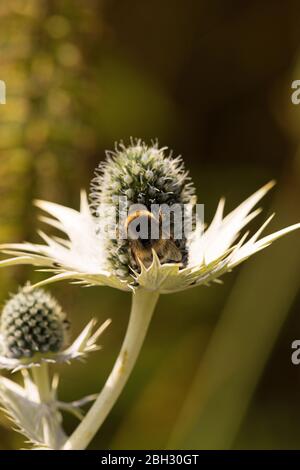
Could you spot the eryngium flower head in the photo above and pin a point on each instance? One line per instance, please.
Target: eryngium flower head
(145, 175)
(32, 322)
(34, 329)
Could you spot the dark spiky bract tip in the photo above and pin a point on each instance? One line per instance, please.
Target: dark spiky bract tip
(144, 175)
(32, 322)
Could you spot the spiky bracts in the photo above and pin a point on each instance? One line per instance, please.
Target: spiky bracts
(143, 175)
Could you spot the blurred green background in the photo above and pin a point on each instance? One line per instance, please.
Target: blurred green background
(212, 80)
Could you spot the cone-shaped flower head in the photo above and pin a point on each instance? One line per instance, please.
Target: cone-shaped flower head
(145, 176)
(34, 329)
(32, 322)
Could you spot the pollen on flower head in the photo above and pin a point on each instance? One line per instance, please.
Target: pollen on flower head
(145, 175)
(32, 322)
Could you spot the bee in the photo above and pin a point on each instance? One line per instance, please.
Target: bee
(141, 248)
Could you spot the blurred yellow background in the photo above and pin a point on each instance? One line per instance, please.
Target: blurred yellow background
(211, 80)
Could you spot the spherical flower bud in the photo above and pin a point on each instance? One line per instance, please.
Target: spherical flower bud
(32, 322)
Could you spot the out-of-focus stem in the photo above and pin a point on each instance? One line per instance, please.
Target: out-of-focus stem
(41, 379)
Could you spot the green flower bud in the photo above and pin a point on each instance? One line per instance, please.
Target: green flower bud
(32, 322)
(144, 175)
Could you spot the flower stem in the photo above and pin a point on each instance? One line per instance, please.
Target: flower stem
(143, 304)
(41, 379)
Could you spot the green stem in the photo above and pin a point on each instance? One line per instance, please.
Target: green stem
(41, 379)
(143, 304)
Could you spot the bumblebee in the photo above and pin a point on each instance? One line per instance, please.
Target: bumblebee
(141, 248)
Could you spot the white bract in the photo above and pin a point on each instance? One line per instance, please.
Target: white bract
(82, 256)
(85, 343)
(34, 407)
(23, 406)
